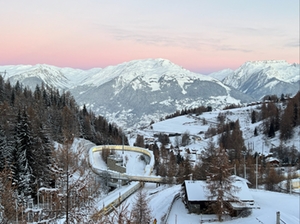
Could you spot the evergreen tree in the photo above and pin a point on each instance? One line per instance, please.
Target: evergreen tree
(255, 131)
(3, 145)
(286, 127)
(271, 133)
(43, 149)
(253, 117)
(24, 152)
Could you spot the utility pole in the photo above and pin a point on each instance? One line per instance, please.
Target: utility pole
(122, 143)
(245, 176)
(67, 196)
(256, 170)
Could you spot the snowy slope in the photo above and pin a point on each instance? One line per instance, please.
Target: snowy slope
(193, 125)
(221, 75)
(260, 78)
(32, 75)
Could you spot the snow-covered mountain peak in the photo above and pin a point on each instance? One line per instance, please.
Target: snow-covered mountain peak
(260, 78)
(146, 72)
(279, 69)
(263, 62)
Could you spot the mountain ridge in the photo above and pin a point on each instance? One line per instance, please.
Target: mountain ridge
(136, 92)
(260, 78)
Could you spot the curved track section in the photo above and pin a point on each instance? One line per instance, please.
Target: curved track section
(113, 200)
(121, 176)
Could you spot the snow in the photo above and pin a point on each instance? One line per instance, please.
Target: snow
(194, 126)
(197, 190)
(148, 71)
(160, 201)
(220, 75)
(269, 203)
(266, 203)
(278, 69)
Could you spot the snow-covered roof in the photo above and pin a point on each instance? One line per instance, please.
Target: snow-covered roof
(271, 160)
(198, 191)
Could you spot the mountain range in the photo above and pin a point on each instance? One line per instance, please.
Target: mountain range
(134, 93)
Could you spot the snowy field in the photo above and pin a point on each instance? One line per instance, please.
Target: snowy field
(160, 198)
(268, 202)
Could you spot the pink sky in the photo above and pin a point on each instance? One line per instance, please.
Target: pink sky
(202, 36)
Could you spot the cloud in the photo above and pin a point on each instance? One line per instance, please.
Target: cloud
(293, 43)
(258, 31)
(231, 48)
(162, 36)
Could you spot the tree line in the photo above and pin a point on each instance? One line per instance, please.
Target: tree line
(30, 123)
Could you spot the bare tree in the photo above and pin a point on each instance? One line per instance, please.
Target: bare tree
(171, 168)
(272, 178)
(77, 186)
(185, 140)
(140, 211)
(139, 141)
(220, 184)
(105, 152)
(9, 209)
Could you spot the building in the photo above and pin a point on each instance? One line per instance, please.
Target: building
(195, 196)
(272, 161)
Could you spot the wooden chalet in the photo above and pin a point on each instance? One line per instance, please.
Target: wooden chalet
(195, 196)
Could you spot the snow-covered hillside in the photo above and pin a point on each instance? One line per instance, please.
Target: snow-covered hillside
(260, 78)
(196, 126)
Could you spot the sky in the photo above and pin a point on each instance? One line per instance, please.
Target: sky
(202, 36)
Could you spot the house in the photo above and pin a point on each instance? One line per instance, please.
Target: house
(272, 161)
(195, 196)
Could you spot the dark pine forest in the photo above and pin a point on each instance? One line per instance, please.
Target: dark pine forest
(31, 121)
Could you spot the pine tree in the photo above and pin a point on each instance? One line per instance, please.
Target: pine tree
(253, 117)
(286, 127)
(3, 145)
(24, 155)
(43, 149)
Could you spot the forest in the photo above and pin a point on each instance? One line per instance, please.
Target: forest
(30, 123)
